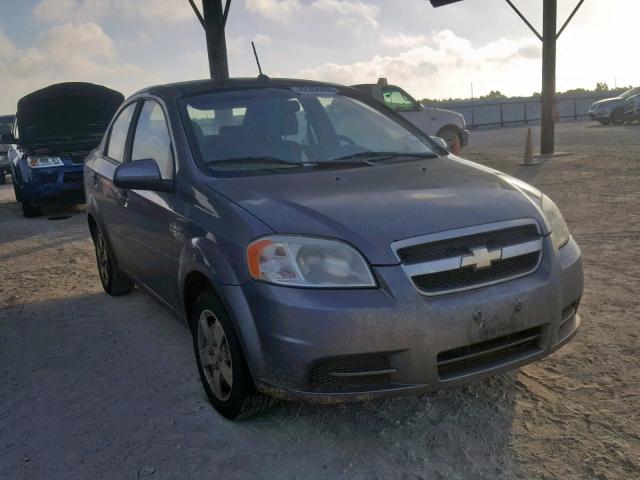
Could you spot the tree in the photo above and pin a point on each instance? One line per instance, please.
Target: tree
(602, 87)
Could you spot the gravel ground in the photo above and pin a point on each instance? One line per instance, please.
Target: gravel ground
(99, 387)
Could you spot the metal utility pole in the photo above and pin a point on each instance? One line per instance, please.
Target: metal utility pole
(213, 19)
(549, 38)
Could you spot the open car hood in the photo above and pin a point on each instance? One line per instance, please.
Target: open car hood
(66, 113)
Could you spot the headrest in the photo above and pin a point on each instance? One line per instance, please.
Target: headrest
(274, 117)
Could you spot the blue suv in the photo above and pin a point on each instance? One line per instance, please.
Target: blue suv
(321, 247)
(56, 127)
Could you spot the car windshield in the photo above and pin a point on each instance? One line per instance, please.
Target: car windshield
(293, 128)
(630, 93)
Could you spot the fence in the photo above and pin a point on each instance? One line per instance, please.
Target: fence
(481, 114)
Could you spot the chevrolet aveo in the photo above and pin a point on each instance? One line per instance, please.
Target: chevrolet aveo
(320, 247)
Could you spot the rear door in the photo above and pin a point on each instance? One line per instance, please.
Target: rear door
(153, 229)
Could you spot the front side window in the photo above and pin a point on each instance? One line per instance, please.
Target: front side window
(398, 100)
(152, 139)
(287, 128)
(119, 132)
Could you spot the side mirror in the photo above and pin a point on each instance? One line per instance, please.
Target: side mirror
(141, 175)
(7, 138)
(441, 142)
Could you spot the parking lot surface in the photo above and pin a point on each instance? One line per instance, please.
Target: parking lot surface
(93, 386)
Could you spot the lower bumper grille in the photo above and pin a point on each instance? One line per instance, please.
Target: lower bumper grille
(493, 353)
(73, 177)
(351, 371)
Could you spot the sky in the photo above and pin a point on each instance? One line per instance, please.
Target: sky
(435, 53)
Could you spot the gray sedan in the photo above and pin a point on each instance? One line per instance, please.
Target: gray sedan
(320, 247)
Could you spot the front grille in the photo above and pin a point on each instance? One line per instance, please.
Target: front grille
(72, 177)
(471, 257)
(77, 158)
(469, 276)
(478, 357)
(351, 371)
(460, 245)
(44, 178)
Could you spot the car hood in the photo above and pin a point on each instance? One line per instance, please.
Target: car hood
(370, 207)
(608, 101)
(66, 113)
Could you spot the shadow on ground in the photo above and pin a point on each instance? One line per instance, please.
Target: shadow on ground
(97, 386)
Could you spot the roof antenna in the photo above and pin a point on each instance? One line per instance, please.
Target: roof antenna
(261, 76)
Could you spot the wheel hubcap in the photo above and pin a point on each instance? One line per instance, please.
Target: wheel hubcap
(103, 258)
(215, 356)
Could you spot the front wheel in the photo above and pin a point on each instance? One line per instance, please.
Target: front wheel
(452, 138)
(617, 116)
(113, 280)
(29, 210)
(223, 370)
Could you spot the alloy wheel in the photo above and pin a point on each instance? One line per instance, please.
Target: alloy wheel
(215, 356)
(103, 258)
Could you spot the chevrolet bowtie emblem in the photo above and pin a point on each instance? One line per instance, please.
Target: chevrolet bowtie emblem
(480, 258)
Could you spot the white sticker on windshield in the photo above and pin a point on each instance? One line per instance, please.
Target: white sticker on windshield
(315, 90)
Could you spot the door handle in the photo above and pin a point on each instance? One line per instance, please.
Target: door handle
(123, 197)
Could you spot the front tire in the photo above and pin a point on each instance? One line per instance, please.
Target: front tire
(29, 210)
(617, 116)
(450, 136)
(223, 370)
(113, 280)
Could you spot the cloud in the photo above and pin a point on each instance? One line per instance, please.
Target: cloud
(67, 52)
(403, 41)
(149, 11)
(440, 62)
(348, 11)
(344, 13)
(279, 10)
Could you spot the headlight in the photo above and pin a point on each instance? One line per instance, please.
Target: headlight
(42, 162)
(308, 262)
(559, 230)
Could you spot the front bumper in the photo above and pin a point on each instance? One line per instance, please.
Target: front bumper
(599, 115)
(55, 184)
(287, 332)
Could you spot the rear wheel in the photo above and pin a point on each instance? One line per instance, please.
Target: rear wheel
(223, 370)
(113, 280)
(3, 178)
(29, 210)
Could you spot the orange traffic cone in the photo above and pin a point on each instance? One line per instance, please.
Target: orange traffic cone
(455, 145)
(528, 150)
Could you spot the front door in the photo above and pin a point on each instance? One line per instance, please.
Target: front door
(153, 229)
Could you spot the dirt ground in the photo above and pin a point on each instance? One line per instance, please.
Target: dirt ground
(99, 387)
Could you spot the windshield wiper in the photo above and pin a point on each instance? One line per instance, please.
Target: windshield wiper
(266, 160)
(375, 157)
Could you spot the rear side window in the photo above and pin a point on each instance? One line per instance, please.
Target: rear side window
(152, 139)
(118, 136)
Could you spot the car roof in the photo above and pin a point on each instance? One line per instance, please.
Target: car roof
(196, 87)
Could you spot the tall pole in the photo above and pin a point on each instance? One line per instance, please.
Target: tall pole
(549, 35)
(214, 22)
